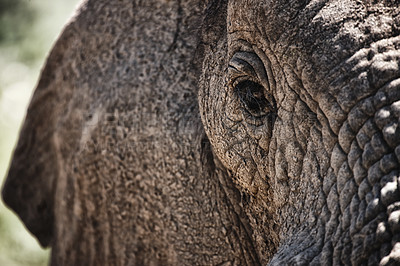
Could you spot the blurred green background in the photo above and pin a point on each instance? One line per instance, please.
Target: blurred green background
(28, 28)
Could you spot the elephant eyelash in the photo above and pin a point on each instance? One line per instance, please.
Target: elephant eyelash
(251, 95)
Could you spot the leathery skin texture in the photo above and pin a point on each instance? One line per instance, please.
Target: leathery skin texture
(322, 165)
(173, 132)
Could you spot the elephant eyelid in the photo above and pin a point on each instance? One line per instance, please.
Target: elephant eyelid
(249, 65)
(241, 66)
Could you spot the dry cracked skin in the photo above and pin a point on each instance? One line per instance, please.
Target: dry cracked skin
(216, 133)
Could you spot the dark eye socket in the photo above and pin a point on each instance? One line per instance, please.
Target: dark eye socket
(251, 94)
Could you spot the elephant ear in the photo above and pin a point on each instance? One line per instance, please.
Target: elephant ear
(28, 187)
(30, 184)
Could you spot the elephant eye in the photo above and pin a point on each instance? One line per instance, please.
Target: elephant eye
(251, 95)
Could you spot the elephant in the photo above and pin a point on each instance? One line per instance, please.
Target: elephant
(219, 132)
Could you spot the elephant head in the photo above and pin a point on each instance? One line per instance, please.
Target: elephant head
(227, 132)
(300, 101)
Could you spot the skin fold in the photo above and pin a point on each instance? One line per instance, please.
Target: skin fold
(216, 133)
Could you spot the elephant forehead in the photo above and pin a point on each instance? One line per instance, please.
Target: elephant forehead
(328, 32)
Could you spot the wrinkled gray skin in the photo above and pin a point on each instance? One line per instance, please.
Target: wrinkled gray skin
(300, 101)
